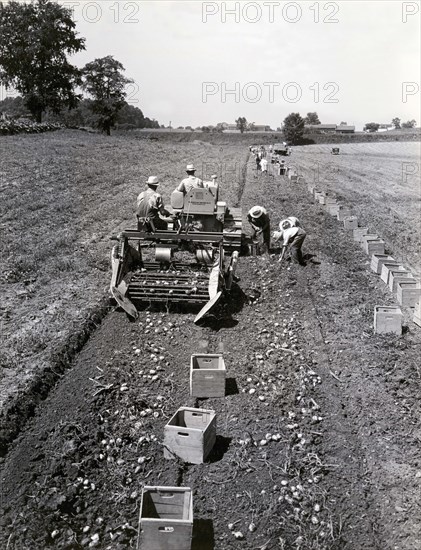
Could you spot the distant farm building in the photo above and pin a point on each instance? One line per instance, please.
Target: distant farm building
(329, 128)
(345, 129)
(322, 128)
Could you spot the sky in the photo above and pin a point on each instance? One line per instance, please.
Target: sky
(198, 63)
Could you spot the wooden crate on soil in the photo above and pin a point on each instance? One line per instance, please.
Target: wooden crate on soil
(387, 268)
(359, 232)
(166, 518)
(375, 246)
(190, 434)
(408, 293)
(333, 208)
(351, 222)
(207, 375)
(367, 237)
(417, 313)
(377, 261)
(398, 276)
(343, 212)
(387, 319)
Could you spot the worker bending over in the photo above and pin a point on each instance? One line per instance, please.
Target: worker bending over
(293, 236)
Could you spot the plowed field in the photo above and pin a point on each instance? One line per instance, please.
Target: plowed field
(318, 435)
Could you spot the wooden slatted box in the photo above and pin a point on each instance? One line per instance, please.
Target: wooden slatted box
(374, 246)
(387, 268)
(166, 518)
(207, 375)
(408, 292)
(398, 276)
(417, 313)
(359, 232)
(344, 212)
(351, 222)
(387, 319)
(190, 435)
(377, 261)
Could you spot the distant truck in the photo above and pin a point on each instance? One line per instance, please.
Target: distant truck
(280, 149)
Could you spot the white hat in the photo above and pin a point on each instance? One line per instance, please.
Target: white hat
(190, 168)
(256, 211)
(214, 176)
(153, 180)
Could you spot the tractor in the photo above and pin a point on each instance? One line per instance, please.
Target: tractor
(192, 262)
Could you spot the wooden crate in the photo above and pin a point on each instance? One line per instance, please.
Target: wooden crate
(351, 222)
(386, 268)
(375, 246)
(166, 518)
(408, 293)
(367, 237)
(344, 212)
(377, 261)
(396, 277)
(333, 208)
(190, 435)
(359, 232)
(207, 375)
(387, 319)
(417, 313)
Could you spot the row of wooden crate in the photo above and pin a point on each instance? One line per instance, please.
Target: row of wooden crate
(399, 279)
(166, 513)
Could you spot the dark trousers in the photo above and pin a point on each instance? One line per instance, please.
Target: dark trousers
(265, 234)
(295, 247)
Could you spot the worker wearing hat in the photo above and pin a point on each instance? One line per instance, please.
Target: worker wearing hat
(293, 235)
(150, 207)
(260, 223)
(191, 181)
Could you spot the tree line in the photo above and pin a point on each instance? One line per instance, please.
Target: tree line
(37, 38)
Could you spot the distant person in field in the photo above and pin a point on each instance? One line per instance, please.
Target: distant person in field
(292, 235)
(150, 206)
(260, 223)
(191, 181)
(257, 162)
(264, 165)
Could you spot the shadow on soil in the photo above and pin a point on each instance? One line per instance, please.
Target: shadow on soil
(231, 387)
(220, 448)
(203, 535)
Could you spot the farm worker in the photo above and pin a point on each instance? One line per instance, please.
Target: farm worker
(150, 205)
(292, 235)
(264, 165)
(282, 168)
(191, 181)
(257, 162)
(270, 148)
(260, 223)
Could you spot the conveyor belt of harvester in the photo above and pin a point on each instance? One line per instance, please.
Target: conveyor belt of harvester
(182, 284)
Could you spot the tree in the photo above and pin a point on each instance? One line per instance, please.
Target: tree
(371, 127)
(241, 123)
(293, 128)
(343, 124)
(396, 123)
(312, 118)
(205, 129)
(409, 124)
(36, 39)
(105, 83)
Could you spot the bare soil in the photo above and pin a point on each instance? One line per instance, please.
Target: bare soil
(323, 454)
